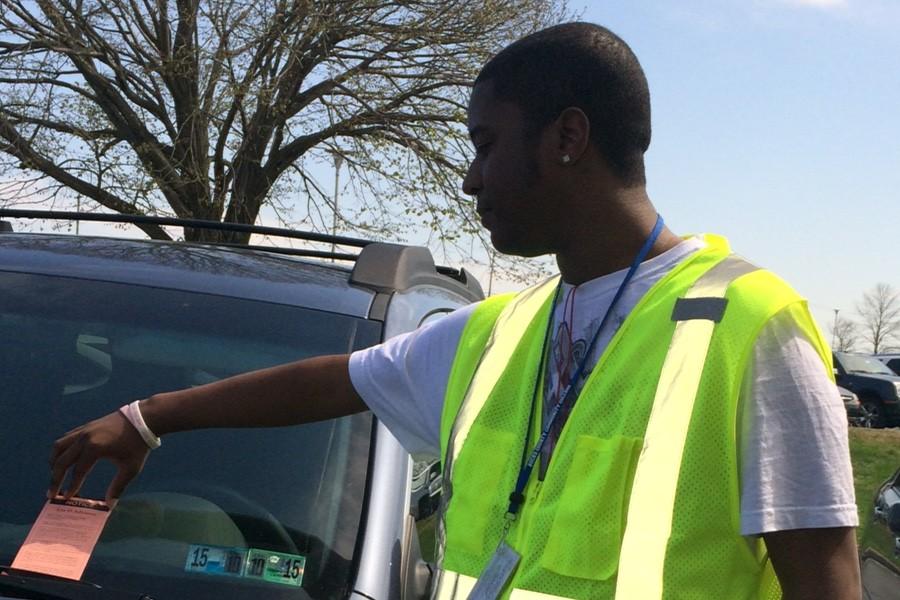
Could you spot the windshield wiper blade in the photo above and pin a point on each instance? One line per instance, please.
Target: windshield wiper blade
(40, 586)
(20, 587)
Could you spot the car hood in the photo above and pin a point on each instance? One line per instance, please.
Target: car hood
(890, 378)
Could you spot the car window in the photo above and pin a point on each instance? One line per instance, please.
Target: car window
(72, 350)
(857, 363)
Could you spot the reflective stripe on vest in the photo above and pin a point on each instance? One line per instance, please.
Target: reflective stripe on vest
(652, 503)
(513, 320)
(514, 317)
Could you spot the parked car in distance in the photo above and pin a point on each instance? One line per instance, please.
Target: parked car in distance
(855, 413)
(891, 360)
(90, 323)
(877, 387)
(880, 544)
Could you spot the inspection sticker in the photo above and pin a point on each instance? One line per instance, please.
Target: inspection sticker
(275, 567)
(216, 560)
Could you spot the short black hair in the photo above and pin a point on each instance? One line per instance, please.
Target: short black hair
(586, 66)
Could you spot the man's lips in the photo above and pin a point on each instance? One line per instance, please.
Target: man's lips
(483, 209)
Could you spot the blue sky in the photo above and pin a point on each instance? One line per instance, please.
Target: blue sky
(777, 124)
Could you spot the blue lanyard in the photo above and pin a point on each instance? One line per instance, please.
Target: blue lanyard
(517, 497)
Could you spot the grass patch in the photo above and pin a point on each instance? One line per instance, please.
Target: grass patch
(876, 455)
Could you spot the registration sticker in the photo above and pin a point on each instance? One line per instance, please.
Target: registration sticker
(215, 560)
(275, 567)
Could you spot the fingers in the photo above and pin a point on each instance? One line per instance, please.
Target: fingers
(77, 455)
(63, 444)
(83, 466)
(65, 453)
(111, 438)
(119, 483)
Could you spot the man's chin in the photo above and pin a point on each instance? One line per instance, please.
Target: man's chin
(516, 247)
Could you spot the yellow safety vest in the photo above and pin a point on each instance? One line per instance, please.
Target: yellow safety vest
(641, 498)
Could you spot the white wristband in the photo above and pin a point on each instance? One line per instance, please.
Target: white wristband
(132, 412)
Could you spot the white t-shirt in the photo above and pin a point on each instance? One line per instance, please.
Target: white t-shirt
(794, 458)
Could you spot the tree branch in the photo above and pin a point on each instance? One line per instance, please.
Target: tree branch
(20, 148)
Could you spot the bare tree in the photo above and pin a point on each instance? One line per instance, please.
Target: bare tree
(880, 314)
(211, 108)
(844, 334)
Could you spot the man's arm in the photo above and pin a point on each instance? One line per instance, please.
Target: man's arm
(796, 474)
(816, 564)
(301, 392)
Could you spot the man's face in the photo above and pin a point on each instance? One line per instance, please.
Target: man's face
(506, 176)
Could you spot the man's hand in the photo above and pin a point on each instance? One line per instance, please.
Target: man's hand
(111, 437)
(816, 564)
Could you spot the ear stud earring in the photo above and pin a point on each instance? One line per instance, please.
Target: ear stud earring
(566, 159)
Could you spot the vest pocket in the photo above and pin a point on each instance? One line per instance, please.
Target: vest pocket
(586, 534)
(476, 511)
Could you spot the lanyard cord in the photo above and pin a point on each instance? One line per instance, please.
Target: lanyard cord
(517, 497)
(523, 461)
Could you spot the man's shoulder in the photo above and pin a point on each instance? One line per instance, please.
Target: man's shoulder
(761, 290)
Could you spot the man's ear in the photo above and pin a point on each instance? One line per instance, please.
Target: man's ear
(574, 131)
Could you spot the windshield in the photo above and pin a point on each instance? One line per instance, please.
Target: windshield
(858, 363)
(211, 507)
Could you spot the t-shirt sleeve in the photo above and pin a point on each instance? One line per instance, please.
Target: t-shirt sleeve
(795, 459)
(404, 380)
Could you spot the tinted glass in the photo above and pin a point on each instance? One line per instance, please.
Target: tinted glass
(857, 363)
(72, 350)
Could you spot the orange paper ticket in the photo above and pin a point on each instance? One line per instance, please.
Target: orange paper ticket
(63, 537)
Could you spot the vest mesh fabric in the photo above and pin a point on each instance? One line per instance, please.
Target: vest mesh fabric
(571, 525)
(469, 351)
(491, 463)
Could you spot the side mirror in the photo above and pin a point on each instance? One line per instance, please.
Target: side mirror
(426, 490)
(893, 519)
(428, 505)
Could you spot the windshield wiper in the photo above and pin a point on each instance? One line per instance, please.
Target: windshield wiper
(39, 586)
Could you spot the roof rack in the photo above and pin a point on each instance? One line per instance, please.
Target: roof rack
(383, 266)
(310, 236)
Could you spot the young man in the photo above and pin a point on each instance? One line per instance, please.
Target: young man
(658, 422)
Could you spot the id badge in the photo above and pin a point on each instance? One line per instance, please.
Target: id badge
(496, 573)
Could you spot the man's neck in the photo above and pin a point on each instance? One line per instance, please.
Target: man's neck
(610, 240)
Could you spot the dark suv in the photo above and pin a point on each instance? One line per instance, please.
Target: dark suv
(90, 323)
(877, 386)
